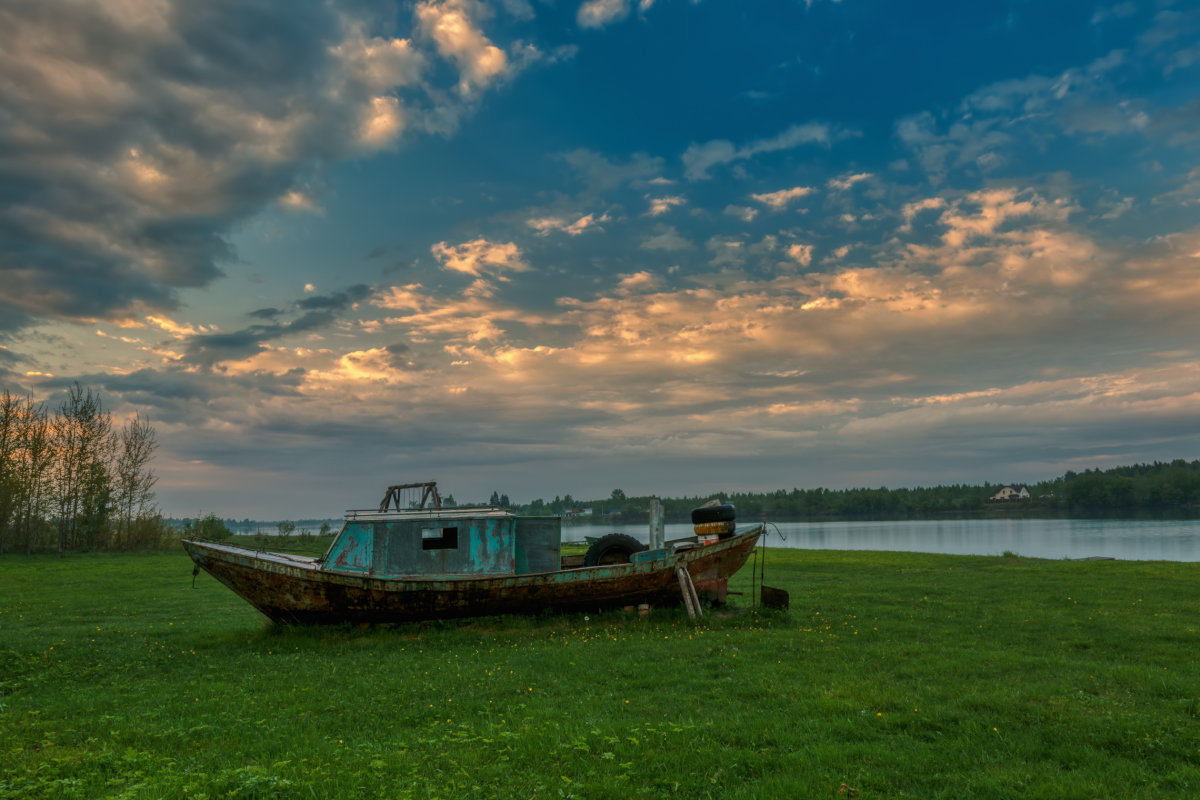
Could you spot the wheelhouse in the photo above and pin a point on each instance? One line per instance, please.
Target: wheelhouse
(447, 542)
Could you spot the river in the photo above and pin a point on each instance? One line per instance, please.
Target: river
(1134, 540)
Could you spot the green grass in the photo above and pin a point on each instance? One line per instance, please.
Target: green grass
(893, 675)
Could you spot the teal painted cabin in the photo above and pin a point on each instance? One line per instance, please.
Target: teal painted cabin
(474, 542)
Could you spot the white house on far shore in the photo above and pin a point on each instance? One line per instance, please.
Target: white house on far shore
(1010, 494)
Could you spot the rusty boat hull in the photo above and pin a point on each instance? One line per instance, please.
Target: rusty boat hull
(298, 590)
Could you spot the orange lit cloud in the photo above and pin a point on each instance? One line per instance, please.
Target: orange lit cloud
(459, 39)
(479, 257)
(778, 201)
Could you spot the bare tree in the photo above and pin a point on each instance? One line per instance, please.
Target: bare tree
(84, 444)
(10, 413)
(70, 472)
(133, 480)
(32, 460)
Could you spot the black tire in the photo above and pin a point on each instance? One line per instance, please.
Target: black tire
(725, 513)
(612, 548)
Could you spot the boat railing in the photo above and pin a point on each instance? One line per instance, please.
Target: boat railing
(287, 552)
(430, 513)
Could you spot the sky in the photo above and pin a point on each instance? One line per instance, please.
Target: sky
(551, 247)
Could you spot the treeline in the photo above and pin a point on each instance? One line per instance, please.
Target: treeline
(214, 527)
(1171, 485)
(779, 504)
(1158, 487)
(69, 480)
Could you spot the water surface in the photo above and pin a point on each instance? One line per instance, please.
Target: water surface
(1135, 540)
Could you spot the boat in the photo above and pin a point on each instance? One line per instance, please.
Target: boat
(400, 564)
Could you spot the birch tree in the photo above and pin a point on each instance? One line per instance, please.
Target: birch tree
(70, 474)
(10, 407)
(84, 446)
(133, 480)
(26, 454)
(35, 473)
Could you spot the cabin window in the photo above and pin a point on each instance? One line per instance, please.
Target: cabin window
(439, 538)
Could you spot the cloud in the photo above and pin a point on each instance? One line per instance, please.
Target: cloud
(801, 254)
(1187, 194)
(598, 13)
(910, 211)
(184, 330)
(133, 143)
(698, 159)
(382, 122)
(299, 200)
(1171, 39)
(208, 349)
(847, 182)
(1114, 12)
(480, 257)
(377, 364)
(453, 323)
(727, 251)
(9, 362)
(778, 201)
(407, 298)
(666, 238)
(587, 222)
(602, 13)
(961, 144)
(1114, 206)
(661, 205)
(336, 301)
(458, 39)
(931, 337)
(602, 175)
(638, 282)
(1095, 105)
(12, 318)
(744, 213)
(379, 63)
(136, 148)
(1159, 282)
(519, 9)
(983, 213)
(544, 226)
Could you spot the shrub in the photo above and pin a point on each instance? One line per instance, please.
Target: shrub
(209, 527)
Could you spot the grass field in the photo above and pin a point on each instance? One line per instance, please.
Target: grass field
(893, 675)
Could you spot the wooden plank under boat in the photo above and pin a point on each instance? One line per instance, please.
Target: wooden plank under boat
(400, 566)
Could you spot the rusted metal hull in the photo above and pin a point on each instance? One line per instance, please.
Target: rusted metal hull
(294, 590)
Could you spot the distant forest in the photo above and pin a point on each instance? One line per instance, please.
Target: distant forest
(1158, 488)
(1161, 487)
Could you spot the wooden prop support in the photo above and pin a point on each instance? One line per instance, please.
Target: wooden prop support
(690, 598)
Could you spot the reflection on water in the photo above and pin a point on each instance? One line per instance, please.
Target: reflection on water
(1165, 540)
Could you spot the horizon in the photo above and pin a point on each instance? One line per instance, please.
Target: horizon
(561, 248)
(722, 495)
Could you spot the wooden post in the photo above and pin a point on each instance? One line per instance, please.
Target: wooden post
(690, 598)
(656, 524)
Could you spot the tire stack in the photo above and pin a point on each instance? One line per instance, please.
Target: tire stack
(713, 522)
